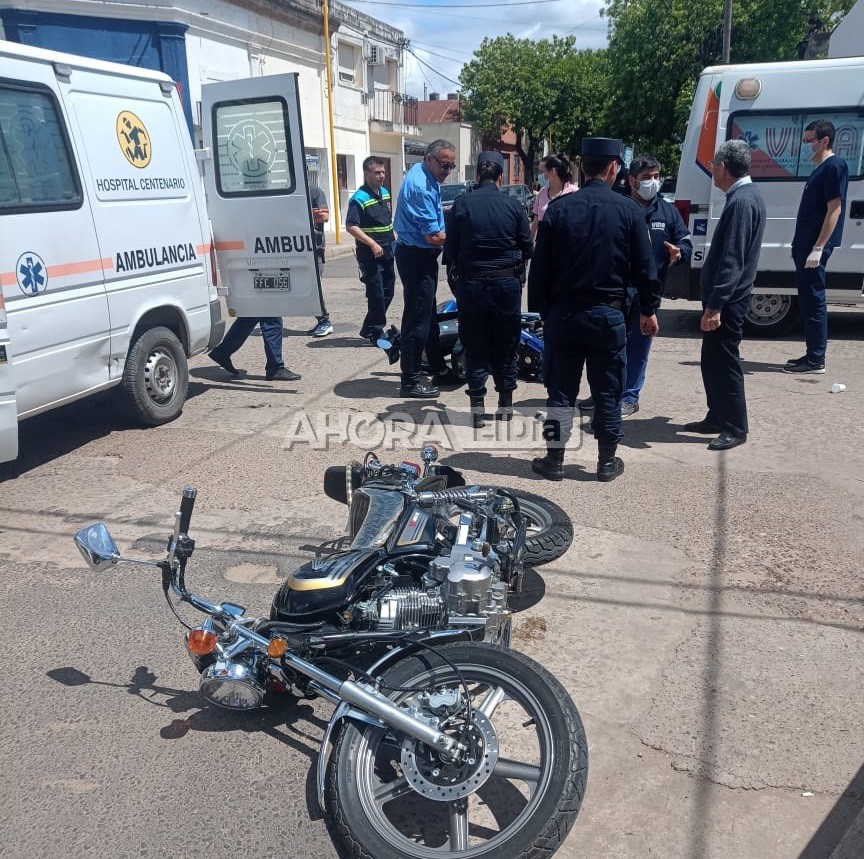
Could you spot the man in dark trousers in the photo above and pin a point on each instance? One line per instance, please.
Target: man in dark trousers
(370, 221)
(726, 284)
(670, 241)
(419, 226)
(488, 241)
(818, 230)
(590, 246)
(320, 215)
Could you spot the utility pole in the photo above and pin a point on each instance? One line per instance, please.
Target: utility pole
(334, 189)
(727, 29)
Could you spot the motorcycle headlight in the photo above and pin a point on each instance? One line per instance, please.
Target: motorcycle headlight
(232, 685)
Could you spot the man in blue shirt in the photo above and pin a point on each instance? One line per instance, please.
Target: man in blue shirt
(818, 230)
(419, 226)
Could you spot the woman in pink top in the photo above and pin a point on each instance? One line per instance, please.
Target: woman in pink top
(559, 174)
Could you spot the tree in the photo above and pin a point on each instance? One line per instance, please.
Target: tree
(655, 56)
(537, 88)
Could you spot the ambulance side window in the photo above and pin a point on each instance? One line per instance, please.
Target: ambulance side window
(776, 150)
(36, 167)
(254, 156)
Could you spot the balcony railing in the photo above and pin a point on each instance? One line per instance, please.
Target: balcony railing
(394, 108)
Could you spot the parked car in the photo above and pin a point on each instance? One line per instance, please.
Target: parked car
(667, 189)
(523, 194)
(450, 192)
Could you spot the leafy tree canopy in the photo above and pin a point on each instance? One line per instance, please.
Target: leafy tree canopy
(656, 53)
(539, 88)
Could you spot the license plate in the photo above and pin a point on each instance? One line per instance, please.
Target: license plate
(280, 282)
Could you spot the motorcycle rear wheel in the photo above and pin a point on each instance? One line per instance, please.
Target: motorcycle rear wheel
(550, 531)
(524, 809)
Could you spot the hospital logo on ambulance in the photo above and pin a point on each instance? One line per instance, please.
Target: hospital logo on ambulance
(133, 139)
(32, 274)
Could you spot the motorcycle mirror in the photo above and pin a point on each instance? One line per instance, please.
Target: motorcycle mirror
(429, 453)
(97, 547)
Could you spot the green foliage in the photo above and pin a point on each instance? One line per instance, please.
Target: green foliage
(539, 88)
(656, 53)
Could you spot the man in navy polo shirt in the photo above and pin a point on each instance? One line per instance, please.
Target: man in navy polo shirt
(818, 230)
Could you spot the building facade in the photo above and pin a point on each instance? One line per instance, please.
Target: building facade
(203, 41)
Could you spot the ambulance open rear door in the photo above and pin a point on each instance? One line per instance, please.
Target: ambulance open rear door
(257, 197)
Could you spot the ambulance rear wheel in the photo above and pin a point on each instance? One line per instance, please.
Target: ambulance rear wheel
(156, 378)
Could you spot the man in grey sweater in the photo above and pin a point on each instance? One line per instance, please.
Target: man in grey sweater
(726, 283)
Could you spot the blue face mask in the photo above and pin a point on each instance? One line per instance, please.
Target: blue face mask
(543, 180)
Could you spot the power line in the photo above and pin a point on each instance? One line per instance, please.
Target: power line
(433, 70)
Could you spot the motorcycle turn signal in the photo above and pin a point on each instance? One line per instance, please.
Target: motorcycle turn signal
(201, 641)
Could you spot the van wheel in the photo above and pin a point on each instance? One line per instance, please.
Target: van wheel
(771, 315)
(156, 378)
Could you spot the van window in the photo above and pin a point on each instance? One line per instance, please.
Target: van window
(36, 166)
(776, 149)
(254, 156)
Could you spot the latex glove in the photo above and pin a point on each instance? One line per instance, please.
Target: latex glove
(813, 259)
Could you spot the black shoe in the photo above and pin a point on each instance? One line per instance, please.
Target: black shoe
(726, 441)
(586, 405)
(550, 466)
(283, 374)
(805, 367)
(224, 363)
(609, 466)
(418, 391)
(704, 427)
(794, 362)
(628, 408)
(610, 469)
(504, 412)
(447, 376)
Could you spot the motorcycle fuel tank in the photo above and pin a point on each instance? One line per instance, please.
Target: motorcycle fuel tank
(323, 585)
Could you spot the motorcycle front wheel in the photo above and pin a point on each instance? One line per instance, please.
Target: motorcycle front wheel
(514, 795)
(550, 531)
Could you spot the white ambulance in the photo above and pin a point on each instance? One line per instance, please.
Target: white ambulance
(769, 105)
(107, 267)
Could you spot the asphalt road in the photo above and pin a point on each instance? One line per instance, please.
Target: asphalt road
(707, 620)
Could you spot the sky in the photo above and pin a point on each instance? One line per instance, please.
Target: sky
(444, 34)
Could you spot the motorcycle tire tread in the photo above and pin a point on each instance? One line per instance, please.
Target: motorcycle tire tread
(558, 824)
(554, 540)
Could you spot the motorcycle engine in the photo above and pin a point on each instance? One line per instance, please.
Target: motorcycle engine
(472, 590)
(405, 608)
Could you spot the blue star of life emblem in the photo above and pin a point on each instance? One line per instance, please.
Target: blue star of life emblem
(32, 273)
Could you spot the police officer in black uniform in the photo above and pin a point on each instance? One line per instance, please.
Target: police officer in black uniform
(590, 246)
(488, 241)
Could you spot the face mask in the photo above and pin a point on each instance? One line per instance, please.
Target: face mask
(648, 188)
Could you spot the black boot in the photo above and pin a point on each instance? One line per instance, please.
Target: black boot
(505, 406)
(609, 466)
(550, 466)
(477, 412)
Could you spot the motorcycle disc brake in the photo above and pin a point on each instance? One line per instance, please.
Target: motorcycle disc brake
(445, 781)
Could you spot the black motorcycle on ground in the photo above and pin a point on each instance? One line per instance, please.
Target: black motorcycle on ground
(441, 743)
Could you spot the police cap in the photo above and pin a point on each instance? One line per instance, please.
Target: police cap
(601, 147)
(493, 157)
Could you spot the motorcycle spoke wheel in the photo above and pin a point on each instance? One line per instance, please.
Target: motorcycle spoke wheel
(381, 807)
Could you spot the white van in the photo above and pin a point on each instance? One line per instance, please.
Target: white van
(107, 269)
(769, 105)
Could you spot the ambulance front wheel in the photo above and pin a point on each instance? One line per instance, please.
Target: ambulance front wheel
(156, 378)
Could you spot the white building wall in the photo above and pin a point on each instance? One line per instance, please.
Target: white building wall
(226, 41)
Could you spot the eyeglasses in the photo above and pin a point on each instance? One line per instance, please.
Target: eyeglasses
(445, 165)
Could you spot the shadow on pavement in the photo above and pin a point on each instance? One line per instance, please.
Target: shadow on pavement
(841, 835)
